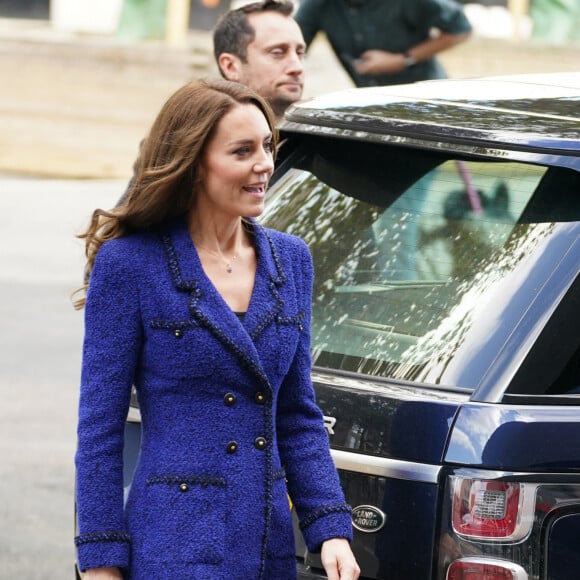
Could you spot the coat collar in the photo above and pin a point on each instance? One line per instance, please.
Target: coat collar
(207, 306)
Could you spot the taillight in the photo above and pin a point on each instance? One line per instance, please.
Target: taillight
(486, 509)
(485, 569)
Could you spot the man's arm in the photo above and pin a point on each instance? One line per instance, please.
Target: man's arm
(375, 62)
(308, 18)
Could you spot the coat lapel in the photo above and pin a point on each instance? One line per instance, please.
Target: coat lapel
(267, 300)
(207, 306)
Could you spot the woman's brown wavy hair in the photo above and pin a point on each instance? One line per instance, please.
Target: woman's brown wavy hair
(166, 173)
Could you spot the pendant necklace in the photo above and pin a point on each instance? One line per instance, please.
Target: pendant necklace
(220, 256)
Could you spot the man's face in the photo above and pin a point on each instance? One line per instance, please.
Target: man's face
(274, 66)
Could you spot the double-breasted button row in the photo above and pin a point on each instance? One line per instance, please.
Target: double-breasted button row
(259, 443)
(230, 399)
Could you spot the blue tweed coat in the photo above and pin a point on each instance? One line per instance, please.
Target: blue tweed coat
(229, 419)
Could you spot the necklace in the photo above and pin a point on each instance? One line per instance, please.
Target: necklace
(220, 256)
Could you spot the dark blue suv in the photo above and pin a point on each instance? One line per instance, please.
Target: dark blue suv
(444, 222)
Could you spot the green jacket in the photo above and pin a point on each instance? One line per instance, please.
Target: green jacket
(353, 26)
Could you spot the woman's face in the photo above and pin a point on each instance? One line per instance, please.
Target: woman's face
(237, 165)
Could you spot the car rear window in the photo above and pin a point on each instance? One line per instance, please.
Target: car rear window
(408, 246)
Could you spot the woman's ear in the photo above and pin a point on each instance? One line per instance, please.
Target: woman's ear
(230, 66)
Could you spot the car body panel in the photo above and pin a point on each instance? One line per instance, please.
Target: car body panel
(563, 556)
(384, 422)
(533, 115)
(535, 435)
(388, 442)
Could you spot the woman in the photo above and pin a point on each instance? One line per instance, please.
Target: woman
(207, 314)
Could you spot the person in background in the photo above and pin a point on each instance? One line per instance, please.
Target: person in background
(207, 313)
(260, 45)
(386, 42)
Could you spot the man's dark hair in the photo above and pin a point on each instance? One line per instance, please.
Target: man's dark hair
(233, 32)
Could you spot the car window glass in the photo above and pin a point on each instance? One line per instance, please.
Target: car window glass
(405, 254)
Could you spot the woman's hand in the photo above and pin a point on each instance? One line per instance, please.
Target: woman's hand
(102, 574)
(338, 560)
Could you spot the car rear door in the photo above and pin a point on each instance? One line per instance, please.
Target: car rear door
(387, 442)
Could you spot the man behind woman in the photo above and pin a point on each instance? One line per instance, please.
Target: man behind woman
(260, 45)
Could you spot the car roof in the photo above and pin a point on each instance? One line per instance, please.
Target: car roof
(537, 112)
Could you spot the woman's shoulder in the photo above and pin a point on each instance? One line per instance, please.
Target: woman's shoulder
(128, 249)
(131, 242)
(290, 251)
(284, 239)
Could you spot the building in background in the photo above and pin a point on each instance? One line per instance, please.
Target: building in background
(546, 21)
(130, 19)
(556, 21)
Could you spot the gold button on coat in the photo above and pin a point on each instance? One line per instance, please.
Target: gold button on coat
(232, 447)
(260, 443)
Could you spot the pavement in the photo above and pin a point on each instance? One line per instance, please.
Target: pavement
(41, 342)
(77, 106)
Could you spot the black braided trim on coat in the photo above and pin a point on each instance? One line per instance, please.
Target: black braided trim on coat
(325, 511)
(102, 537)
(193, 479)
